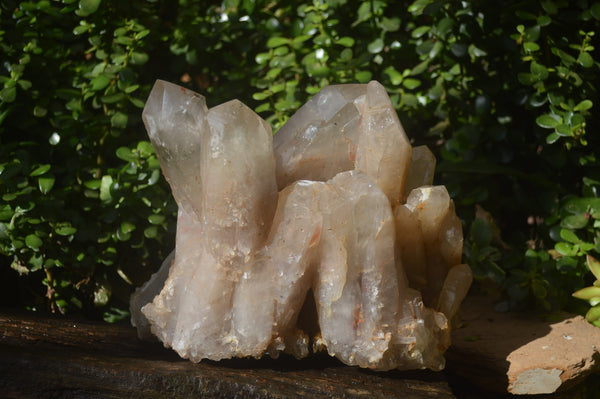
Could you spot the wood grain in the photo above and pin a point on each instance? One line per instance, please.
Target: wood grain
(47, 357)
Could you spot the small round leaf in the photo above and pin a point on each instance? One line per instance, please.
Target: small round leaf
(548, 121)
(45, 183)
(33, 242)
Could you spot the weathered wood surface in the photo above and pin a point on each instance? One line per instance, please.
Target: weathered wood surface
(42, 357)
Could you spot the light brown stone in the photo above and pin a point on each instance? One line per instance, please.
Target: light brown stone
(522, 353)
(566, 354)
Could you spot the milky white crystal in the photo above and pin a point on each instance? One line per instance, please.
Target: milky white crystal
(337, 207)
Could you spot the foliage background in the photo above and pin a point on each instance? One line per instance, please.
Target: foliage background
(503, 92)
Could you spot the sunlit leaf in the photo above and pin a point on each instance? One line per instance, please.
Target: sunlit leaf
(45, 183)
(593, 314)
(594, 266)
(375, 46)
(40, 170)
(346, 41)
(583, 106)
(65, 230)
(33, 242)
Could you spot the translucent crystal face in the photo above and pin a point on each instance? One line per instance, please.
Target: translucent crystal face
(337, 210)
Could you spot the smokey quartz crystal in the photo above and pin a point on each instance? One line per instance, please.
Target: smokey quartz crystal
(327, 236)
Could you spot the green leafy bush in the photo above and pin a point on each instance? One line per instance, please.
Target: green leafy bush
(504, 93)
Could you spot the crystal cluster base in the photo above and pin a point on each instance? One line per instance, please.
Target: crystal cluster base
(327, 236)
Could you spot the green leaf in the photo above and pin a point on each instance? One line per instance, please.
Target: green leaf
(593, 265)
(435, 50)
(475, 51)
(284, 105)
(298, 40)
(544, 20)
(142, 34)
(564, 130)
(127, 227)
(481, 232)
(92, 184)
(105, 185)
(574, 221)
(548, 121)
(139, 58)
(131, 89)
(154, 177)
(263, 107)
(262, 95)
(156, 219)
(593, 314)
(459, 49)
(538, 288)
(33, 242)
(411, 84)
(115, 315)
(345, 41)
(583, 106)
(137, 102)
(145, 148)
(363, 76)
(567, 59)
(444, 26)
(587, 293)
(394, 75)
(565, 249)
(273, 73)
(420, 31)
(151, 232)
(527, 78)
(531, 46)
(125, 41)
(390, 24)
(549, 6)
(45, 183)
(262, 58)
(119, 120)
(113, 98)
(126, 154)
(24, 84)
(585, 60)
(363, 13)
(40, 170)
(65, 230)
(375, 46)
(552, 138)
(122, 236)
(420, 68)
(570, 236)
(277, 41)
(87, 7)
(538, 69)
(277, 88)
(39, 112)
(8, 94)
(78, 30)
(582, 205)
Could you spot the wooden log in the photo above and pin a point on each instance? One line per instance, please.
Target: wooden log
(47, 357)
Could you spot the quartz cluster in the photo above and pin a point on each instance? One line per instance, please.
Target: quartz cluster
(327, 236)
